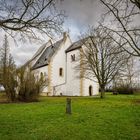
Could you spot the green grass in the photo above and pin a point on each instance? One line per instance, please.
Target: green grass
(112, 118)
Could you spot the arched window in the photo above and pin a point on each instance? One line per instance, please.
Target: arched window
(61, 72)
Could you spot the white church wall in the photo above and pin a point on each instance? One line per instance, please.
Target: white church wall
(86, 84)
(59, 62)
(44, 71)
(73, 81)
(59, 90)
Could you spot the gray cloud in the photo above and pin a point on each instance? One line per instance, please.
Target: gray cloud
(80, 14)
(24, 52)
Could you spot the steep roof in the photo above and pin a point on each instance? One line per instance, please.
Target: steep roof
(47, 54)
(39, 51)
(77, 45)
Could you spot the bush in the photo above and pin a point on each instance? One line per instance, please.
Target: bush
(29, 86)
(108, 90)
(125, 89)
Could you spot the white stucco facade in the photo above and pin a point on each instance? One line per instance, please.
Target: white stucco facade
(64, 78)
(73, 76)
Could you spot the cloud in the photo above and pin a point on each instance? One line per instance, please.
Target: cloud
(80, 14)
(24, 52)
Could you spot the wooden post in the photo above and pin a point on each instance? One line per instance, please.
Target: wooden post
(68, 105)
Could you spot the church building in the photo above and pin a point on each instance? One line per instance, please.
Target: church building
(57, 62)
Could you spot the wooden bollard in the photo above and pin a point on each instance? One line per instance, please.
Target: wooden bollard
(68, 105)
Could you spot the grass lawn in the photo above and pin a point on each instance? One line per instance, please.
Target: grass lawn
(117, 117)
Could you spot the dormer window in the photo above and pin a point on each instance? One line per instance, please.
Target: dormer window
(73, 57)
(61, 72)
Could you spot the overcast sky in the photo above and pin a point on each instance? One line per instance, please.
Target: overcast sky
(80, 14)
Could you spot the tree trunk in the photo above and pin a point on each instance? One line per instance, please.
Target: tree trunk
(9, 93)
(102, 92)
(13, 97)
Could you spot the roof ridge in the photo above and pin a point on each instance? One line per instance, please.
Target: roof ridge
(47, 54)
(77, 44)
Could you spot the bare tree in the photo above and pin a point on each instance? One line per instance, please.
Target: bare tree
(19, 84)
(28, 16)
(136, 2)
(126, 82)
(8, 71)
(102, 58)
(126, 33)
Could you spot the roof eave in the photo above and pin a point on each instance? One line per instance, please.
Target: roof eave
(73, 49)
(39, 66)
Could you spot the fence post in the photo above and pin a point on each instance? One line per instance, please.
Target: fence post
(68, 105)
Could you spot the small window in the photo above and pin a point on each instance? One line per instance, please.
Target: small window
(61, 72)
(73, 57)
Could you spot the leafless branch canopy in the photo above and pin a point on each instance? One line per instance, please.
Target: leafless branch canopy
(102, 57)
(136, 2)
(28, 16)
(126, 24)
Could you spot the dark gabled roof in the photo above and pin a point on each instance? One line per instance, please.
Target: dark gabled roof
(39, 51)
(77, 44)
(47, 54)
